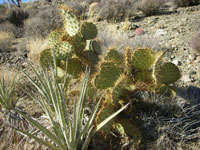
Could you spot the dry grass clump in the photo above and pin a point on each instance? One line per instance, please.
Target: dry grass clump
(184, 3)
(43, 23)
(111, 37)
(34, 46)
(5, 40)
(17, 17)
(150, 7)
(195, 42)
(117, 10)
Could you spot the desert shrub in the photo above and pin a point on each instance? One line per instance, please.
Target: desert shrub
(79, 8)
(2, 13)
(195, 41)
(117, 10)
(184, 3)
(5, 40)
(150, 7)
(17, 17)
(8, 27)
(43, 23)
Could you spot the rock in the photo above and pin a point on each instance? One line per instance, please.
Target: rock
(160, 32)
(185, 78)
(138, 32)
(176, 62)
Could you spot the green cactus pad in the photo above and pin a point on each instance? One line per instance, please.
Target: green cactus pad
(107, 76)
(74, 67)
(127, 62)
(130, 129)
(143, 76)
(88, 30)
(46, 58)
(168, 73)
(91, 91)
(104, 112)
(142, 59)
(63, 50)
(55, 37)
(90, 57)
(144, 80)
(113, 56)
(78, 42)
(71, 23)
(96, 47)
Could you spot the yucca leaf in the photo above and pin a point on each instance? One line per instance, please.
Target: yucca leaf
(109, 118)
(39, 140)
(43, 129)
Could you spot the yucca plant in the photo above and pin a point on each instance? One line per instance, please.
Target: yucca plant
(70, 132)
(8, 99)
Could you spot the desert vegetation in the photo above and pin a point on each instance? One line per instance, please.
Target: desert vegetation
(100, 74)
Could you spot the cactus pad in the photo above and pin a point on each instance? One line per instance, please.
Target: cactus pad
(113, 56)
(166, 91)
(143, 76)
(144, 80)
(63, 50)
(168, 73)
(104, 112)
(142, 59)
(55, 37)
(107, 76)
(90, 57)
(71, 23)
(74, 67)
(46, 58)
(88, 30)
(78, 42)
(96, 47)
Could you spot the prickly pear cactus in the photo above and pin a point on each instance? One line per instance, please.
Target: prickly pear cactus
(113, 56)
(88, 30)
(63, 50)
(46, 58)
(167, 73)
(106, 109)
(70, 20)
(74, 67)
(142, 59)
(55, 37)
(107, 76)
(96, 47)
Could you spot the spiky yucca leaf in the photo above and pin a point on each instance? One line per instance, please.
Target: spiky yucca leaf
(8, 98)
